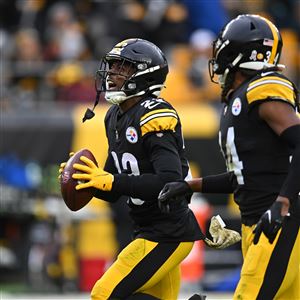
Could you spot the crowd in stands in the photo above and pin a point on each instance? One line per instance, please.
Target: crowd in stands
(50, 50)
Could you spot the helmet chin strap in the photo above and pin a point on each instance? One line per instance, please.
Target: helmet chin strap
(117, 97)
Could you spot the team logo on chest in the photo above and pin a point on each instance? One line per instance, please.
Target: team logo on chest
(131, 135)
(236, 107)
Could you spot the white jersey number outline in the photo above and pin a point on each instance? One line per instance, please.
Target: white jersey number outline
(232, 159)
(128, 162)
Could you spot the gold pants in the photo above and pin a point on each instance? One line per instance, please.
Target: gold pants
(271, 271)
(144, 266)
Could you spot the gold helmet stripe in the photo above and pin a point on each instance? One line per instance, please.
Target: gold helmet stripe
(275, 38)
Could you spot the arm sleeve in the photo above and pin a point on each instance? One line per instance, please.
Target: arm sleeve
(166, 163)
(111, 196)
(221, 183)
(291, 186)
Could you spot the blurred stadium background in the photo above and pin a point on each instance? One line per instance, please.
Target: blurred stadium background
(50, 51)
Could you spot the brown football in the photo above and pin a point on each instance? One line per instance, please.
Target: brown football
(75, 200)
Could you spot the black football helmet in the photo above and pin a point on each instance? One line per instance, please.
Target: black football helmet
(150, 65)
(248, 42)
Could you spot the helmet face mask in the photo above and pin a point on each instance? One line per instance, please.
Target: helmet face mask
(247, 42)
(149, 70)
(114, 78)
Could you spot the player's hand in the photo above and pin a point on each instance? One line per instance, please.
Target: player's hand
(63, 164)
(269, 223)
(170, 192)
(222, 237)
(92, 176)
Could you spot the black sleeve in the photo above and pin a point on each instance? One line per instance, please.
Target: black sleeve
(291, 186)
(166, 163)
(108, 196)
(221, 183)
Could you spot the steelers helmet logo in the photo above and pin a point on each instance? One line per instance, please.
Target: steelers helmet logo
(119, 47)
(236, 107)
(131, 135)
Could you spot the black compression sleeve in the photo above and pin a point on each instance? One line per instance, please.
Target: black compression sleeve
(291, 186)
(221, 183)
(166, 163)
(145, 187)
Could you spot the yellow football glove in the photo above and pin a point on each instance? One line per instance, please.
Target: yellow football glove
(92, 176)
(62, 165)
(222, 237)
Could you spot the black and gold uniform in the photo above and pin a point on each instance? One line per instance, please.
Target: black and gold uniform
(147, 143)
(260, 139)
(146, 150)
(256, 155)
(259, 162)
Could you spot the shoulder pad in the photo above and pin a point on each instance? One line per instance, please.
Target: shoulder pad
(158, 115)
(271, 86)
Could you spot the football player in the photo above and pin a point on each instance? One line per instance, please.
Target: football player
(146, 150)
(260, 140)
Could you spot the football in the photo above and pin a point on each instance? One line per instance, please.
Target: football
(75, 200)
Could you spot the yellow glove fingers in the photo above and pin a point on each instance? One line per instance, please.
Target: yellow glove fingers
(62, 165)
(81, 176)
(83, 168)
(61, 168)
(88, 162)
(84, 185)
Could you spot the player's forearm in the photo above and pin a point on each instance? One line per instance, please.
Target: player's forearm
(106, 196)
(291, 186)
(145, 187)
(221, 183)
(195, 185)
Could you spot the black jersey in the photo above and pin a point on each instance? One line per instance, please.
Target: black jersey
(146, 151)
(252, 150)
